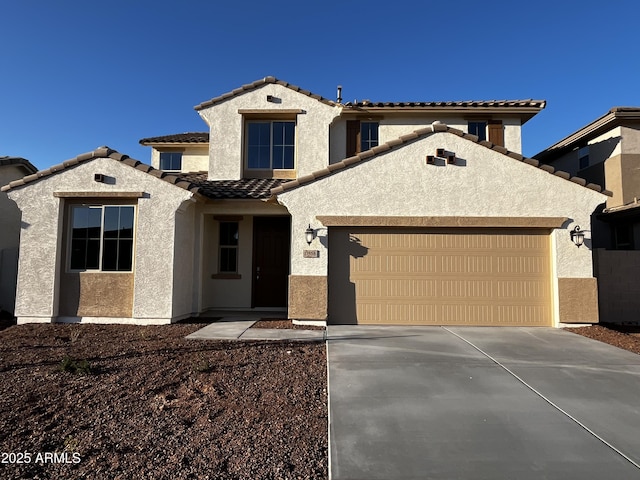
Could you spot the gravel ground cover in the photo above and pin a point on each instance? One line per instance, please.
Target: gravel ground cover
(133, 402)
(280, 324)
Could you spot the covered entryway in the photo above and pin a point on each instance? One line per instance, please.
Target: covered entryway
(446, 276)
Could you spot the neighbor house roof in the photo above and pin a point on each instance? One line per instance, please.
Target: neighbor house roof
(417, 134)
(197, 183)
(615, 117)
(18, 161)
(189, 137)
(257, 84)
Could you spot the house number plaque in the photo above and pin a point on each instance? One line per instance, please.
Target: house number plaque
(311, 253)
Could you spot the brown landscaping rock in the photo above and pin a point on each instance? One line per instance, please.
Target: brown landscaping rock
(283, 324)
(158, 406)
(613, 335)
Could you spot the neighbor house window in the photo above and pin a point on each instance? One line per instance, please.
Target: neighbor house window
(228, 247)
(171, 161)
(623, 237)
(583, 157)
(271, 145)
(102, 237)
(361, 136)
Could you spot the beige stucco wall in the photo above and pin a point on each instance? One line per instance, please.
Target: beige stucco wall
(42, 215)
(393, 127)
(227, 129)
(194, 159)
(484, 183)
(185, 261)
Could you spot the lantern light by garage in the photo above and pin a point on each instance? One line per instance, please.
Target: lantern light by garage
(309, 234)
(577, 236)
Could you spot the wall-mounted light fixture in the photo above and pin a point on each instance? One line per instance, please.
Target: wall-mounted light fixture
(98, 177)
(309, 234)
(577, 236)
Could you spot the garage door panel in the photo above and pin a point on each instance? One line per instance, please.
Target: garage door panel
(441, 277)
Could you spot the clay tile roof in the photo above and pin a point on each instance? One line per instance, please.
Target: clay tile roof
(257, 84)
(423, 132)
(246, 188)
(23, 162)
(102, 152)
(530, 103)
(189, 137)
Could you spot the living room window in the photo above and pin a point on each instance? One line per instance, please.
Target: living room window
(228, 247)
(361, 136)
(102, 238)
(271, 145)
(171, 161)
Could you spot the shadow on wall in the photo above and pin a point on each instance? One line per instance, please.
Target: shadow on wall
(342, 291)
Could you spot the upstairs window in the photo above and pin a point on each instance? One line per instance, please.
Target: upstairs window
(361, 136)
(271, 145)
(102, 238)
(493, 130)
(171, 161)
(479, 129)
(368, 135)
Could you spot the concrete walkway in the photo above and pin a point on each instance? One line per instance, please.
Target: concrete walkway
(480, 403)
(238, 328)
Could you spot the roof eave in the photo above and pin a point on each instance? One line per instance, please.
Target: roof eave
(613, 118)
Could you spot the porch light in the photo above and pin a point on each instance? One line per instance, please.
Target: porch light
(309, 234)
(577, 236)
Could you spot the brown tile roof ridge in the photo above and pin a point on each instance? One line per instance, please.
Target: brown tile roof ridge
(23, 162)
(528, 103)
(187, 137)
(423, 132)
(257, 84)
(102, 152)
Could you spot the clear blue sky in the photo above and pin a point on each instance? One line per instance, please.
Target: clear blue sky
(75, 75)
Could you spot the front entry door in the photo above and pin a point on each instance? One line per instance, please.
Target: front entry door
(271, 239)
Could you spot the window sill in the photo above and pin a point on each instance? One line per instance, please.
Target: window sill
(226, 276)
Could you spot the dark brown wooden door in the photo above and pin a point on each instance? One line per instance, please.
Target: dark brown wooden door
(271, 239)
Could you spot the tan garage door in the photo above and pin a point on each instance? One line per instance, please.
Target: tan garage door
(439, 277)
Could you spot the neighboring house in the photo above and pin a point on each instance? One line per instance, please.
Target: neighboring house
(11, 168)
(607, 152)
(347, 212)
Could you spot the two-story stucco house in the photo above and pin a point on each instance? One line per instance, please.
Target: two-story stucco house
(11, 168)
(409, 213)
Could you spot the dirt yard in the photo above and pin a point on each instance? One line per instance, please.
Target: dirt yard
(148, 404)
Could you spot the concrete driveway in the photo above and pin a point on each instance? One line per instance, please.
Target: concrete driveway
(480, 403)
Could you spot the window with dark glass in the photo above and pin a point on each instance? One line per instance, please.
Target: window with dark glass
(228, 247)
(368, 135)
(170, 161)
(361, 136)
(270, 145)
(478, 129)
(102, 238)
(623, 237)
(583, 157)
